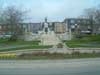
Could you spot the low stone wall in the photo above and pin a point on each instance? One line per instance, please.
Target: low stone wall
(57, 50)
(85, 50)
(71, 50)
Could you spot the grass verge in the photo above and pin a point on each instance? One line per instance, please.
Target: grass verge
(26, 47)
(89, 41)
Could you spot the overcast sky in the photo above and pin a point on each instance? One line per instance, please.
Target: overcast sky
(55, 10)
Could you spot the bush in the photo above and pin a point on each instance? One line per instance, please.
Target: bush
(76, 53)
(60, 45)
(13, 38)
(8, 56)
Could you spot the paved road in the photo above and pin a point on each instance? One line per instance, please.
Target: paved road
(51, 67)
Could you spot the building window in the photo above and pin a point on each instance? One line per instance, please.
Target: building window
(0, 27)
(72, 21)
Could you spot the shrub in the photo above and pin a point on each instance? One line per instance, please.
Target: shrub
(60, 45)
(8, 56)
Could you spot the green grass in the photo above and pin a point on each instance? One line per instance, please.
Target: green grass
(88, 40)
(18, 42)
(26, 48)
(20, 45)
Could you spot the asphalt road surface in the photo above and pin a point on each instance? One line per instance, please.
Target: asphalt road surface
(50, 67)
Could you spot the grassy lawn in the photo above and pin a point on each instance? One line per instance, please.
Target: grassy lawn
(18, 42)
(90, 41)
(26, 47)
(6, 45)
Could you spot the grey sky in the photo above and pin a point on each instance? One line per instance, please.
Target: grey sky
(55, 10)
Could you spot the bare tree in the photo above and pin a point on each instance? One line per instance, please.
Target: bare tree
(13, 16)
(0, 12)
(93, 14)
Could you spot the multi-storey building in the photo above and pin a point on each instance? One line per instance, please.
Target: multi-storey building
(62, 29)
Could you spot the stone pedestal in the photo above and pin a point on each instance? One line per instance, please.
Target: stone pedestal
(49, 39)
(29, 36)
(48, 36)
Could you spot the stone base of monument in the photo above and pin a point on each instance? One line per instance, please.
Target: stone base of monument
(29, 36)
(49, 39)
